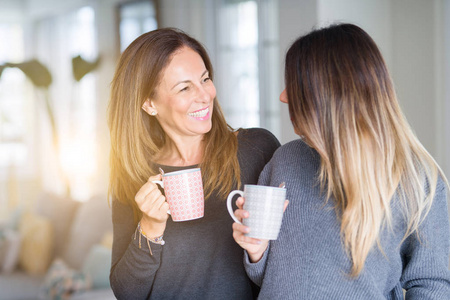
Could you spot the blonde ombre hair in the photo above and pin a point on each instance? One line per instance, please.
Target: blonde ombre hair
(342, 100)
(137, 138)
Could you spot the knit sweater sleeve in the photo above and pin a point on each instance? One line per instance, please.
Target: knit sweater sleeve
(426, 257)
(255, 271)
(133, 268)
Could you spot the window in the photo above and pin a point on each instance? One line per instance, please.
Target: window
(15, 113)
(135, 18)
(72, 166)
(247, 54)
(16, 118)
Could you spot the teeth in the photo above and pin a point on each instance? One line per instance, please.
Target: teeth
(199, 114)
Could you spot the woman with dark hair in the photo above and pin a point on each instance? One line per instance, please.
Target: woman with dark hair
(367, 217)
(163, 113)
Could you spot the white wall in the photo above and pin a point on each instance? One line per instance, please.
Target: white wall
(11, 10)
(446, 77)
(189, 16)
(296, 18)
(418, 55)
(373, 16)
(44, 8)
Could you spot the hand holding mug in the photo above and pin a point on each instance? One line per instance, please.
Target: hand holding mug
(255, 247)
(184, 194)
(154, 207)
(258, 217)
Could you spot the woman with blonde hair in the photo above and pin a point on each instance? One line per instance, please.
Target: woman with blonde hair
(367, 217)
(163, 113)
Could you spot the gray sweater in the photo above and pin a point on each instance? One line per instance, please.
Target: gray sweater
(200, 259)
(307, 261)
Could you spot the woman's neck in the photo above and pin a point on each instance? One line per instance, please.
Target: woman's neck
(181, 152)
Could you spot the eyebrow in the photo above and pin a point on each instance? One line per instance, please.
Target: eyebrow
(187, 81)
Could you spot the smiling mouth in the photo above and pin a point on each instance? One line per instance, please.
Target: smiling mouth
(199, 113)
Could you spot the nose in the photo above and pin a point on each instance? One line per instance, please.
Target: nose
(283, 96)
(206, 94)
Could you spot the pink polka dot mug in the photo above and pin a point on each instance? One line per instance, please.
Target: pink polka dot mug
(184, 193)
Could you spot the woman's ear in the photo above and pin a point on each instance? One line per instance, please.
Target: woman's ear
(149, 108)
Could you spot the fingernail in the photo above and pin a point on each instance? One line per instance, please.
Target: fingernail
(258, 242)
(247, 229)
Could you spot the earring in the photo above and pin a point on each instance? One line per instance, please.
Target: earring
(153, 113)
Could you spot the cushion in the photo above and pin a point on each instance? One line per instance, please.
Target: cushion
(10, 240)
(92, 220)
(37, 243)
(61, 281)
(12, 220)
(97, 266)
(103, 294)
(60, 211)
(19, 285)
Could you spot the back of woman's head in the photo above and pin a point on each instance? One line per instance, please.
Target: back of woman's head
(341, 99)
(340, 82)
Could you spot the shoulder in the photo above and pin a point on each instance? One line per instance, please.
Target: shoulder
(441, 194)
(295, 156)
(255, 148)
(441, 185)
(255, 133)
(258, 138)
(295, 149)
(294, 162)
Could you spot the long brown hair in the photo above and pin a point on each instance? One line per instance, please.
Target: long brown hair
(136, 138)
(342, 100)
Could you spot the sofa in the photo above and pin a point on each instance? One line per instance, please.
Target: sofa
(56, 248)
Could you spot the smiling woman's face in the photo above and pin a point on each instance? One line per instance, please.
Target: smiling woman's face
(185, 96)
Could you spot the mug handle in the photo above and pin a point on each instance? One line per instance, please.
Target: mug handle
(161, 184)
(230, 209)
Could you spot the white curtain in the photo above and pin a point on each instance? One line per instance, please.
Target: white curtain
(72, 167)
